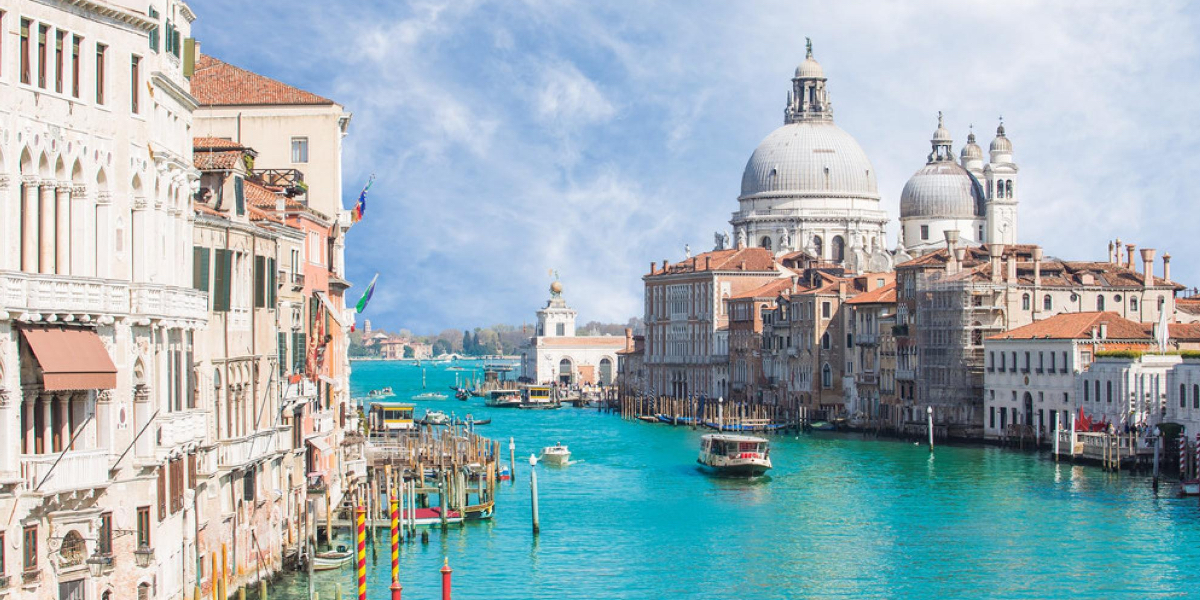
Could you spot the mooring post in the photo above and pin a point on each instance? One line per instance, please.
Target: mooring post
(1057, 428)
(534, 487)
(512, 460)
(446, 571)
(929, 413)
(1157, 443)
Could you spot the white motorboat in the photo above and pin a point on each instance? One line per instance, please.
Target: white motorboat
(558, 454)
(730, 454)
(430, 396)
(503, 399)
(435, 417)
(333, 559)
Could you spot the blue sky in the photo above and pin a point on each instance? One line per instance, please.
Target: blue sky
(510, 138)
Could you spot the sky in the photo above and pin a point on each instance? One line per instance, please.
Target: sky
(515, 138)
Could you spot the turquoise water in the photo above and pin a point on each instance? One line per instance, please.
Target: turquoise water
(840, 517)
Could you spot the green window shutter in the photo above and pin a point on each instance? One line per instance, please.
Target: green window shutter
(260, 282)
(272, 282)
(200, 269)
(281, 353)
(239, 195)
(221, 283)
(300, 352)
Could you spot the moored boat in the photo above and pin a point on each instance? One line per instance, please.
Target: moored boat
(435, 417)
(381, 393)
(385, 417)
(430, 396)
(431, 517)
(730, 454)
(332, 559)
(538, 396)
(1189, 488)
(558, 454)
(503, 399)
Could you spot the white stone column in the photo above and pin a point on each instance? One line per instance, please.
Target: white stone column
(140, 232)
(143, 447)
(10, 227)
(28, 435)
(29, 226)
(81, 247)
(62, 230)
(64, 423)
(47, 218)
(47, 422)
(104, 415)
(103, 236)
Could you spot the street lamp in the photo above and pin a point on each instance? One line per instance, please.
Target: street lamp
(144, 555)
(97, 563)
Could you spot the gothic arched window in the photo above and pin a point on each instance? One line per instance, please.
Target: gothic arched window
(1100, 303)
(838, 248)
(1047, 302)
(1025, 302)
(1008, 189)
(826, 376)
(766, 242)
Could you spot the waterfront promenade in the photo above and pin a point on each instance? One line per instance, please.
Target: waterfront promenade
(841, 517)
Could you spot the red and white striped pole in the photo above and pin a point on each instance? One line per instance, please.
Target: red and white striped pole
(360, 514)
(446, 570)
(1196, 464)
(1182, 457)
(395, 506)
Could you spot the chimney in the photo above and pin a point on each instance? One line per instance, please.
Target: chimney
(1129, 260)
(952, 266)
(1119, 251)
(628, 339)
(1167, 266)
(1037, 270)
(665, 263)
(652, 263)
(1111, 251)
(995, 251)
(707, 262)
(1147, 267)
(1011, 275)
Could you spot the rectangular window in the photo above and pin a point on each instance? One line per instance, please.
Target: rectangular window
(191, 371)
(135, 82)
(154, 33)
(239, 195)
(100, 50)
(43, 33)
(200, 262)
(924, 232)
(221, 279)
(281, 351)
(25, 70)
(76, 43)
(260, 283)
(825, 310)
(29, 545)
(143, 526)
(1063, 368)
(162, 492)
(192, 470)
(560, 329)
(177, 485)
(104, 544)
(992, 417)
(59, 38)
(299, 350)
(299, 149)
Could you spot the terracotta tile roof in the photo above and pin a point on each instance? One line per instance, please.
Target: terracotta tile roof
(1184, 331)
(1053, 272)
(604, 341)
(1190, 306)
(746, 259)
(1077, 326)
(257, 215)
(880, 295)
(215, 143)
(205, 209)
(217, 83)
(217, 161)
(769, 291)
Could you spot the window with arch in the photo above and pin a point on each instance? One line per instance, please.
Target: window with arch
(1086, 388)
(826, 341)
(838, 248)
(1000, 189)
(1108, 391)
(1008, 189)
(1025, 302)
(766, 242)
(818, 246)
(989, 189)
(1161, 302)
(1047, 302)
(1195, 395)
(1133, 303)
(1100, 303)
(826, 376)
(1097, 390)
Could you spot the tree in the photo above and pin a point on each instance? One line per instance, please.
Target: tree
(441, 347)
(467, 348)
(409, 353)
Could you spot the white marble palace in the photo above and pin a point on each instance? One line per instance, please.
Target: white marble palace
(556, 355)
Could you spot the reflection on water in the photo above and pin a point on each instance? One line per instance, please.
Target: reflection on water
(839, 517)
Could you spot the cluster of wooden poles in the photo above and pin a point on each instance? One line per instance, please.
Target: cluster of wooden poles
(695, 411)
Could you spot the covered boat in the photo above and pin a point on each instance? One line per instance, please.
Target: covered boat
(730, 454)
(558, 454)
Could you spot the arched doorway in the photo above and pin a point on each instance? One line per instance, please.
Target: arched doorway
(565, 372)
(606, 371)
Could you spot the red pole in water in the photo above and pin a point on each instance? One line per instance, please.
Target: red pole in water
(446, 570)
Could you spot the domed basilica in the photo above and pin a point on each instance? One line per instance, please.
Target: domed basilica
(810, 187)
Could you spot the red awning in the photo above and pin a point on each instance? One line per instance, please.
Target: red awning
(72, 358)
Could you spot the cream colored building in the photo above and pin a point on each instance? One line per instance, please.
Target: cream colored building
(97, 319)
(556, 355)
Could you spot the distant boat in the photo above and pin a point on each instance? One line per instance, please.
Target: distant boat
(822, 426)
(503, 399)
(505, 473)
(435, 417)
(748, 427)
(558, 454)
(735, 454)
(648, 419)
(332, 559)
(381, 393)
(430, 396)
(669, 420)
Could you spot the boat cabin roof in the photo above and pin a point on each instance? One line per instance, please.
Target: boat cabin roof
(729, 437)
(387, 404)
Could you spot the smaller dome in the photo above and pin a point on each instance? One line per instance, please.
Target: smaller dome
(1001, 143)
(971, 151)
(810, 69)
(942, 190)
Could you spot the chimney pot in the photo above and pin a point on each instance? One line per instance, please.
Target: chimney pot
(951, 237)
(1129, 259)
(1147, 267)
(1167, 266)
(652, 264)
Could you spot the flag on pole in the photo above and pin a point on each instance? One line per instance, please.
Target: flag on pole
(366, 297)
(360, 207)
(1164, 332)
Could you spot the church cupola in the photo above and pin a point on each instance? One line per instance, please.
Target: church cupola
(942, 144)
(808, 100)
(972, 156)
(1001, 148)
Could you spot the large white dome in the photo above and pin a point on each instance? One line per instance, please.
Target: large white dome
(809, 158)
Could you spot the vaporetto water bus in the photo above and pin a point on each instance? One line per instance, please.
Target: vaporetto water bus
(729, 454)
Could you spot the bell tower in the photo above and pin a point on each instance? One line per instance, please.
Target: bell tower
(1001, 176)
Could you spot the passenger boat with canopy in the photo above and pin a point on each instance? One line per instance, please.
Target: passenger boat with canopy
(730, 454)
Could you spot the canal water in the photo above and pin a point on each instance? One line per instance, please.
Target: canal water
(839, 517)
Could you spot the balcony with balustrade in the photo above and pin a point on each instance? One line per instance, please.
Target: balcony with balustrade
(166, 301)
(34, 293)
(72, 471)
(239, 452)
